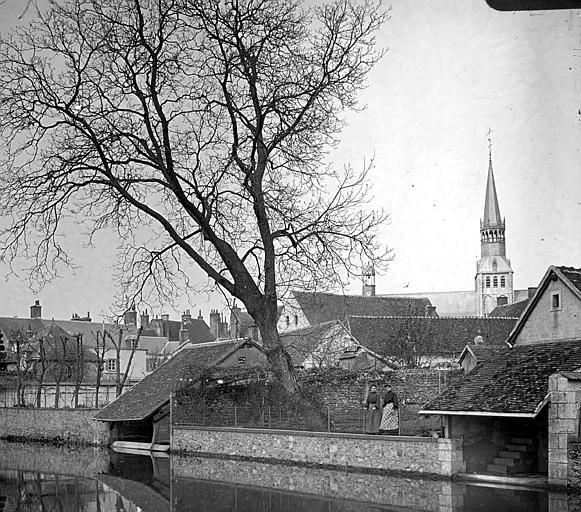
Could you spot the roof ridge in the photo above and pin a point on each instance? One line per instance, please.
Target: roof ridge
(380, 296)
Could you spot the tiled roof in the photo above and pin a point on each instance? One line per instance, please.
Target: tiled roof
(514, 381)
(325, 307)
(199, 331)
(440, 335)
(573, 274)
(149, 394)
(510, 310)
(301, 343)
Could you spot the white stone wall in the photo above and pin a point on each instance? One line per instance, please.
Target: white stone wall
(565, 396)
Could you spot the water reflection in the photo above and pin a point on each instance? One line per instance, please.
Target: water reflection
(46, 478)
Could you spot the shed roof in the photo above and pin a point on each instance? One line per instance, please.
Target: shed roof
(149, 394)
(513, 310)
(513, 382)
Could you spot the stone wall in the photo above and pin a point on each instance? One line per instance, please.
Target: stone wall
(54, 425)
(70, 460)
(419, 455)
(387, 491)
(565, 395)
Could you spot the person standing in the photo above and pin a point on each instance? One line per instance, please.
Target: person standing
(390, 416)
(373, 406)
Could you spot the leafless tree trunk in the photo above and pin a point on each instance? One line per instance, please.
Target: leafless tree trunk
(207, 125)
(100, 349)
(42, 371)
(79, 367)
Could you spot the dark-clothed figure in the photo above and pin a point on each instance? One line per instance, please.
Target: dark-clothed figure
(390, 417)
(373, 414)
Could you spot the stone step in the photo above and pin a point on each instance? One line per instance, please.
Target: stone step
(516, 455)
(502, 469)
(522, 440)
(502, 461)
(519, 448)
(497, 468)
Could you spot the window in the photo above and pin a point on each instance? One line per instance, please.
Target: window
(487, 281)
(287, 320)
(111, 365)
(502, 300)
(502, 281)
(241, 359)
(296, 319)
(133, 342)
(494, 265)
(495, 281)
(555, 301)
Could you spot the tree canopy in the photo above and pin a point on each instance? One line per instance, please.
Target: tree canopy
(199, 131)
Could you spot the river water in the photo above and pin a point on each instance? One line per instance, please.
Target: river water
(36, 477)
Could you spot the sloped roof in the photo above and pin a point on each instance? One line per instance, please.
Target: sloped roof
(324, 307)
(570, 276)
(513, 310)
(198, 330)
(514, 382)
(573, 275)
(149, 394)
(442, 335)
(301, 343)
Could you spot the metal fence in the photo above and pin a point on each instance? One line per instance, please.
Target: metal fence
(86, 397)
(329, 419)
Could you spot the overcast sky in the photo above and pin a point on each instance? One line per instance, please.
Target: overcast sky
(454, 70)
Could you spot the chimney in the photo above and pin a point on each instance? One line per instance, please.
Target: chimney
(215, 323)
(223, 328)
(531, 290)
(430, 311)
(186, 317)
(130, 316)
(184, 335)
(165, 325)
(200, 317)
(36, 310)
(144, 322)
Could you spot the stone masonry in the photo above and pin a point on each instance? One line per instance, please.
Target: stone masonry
(420, 455)
(428, 494)
(54, 425)
(565, 398)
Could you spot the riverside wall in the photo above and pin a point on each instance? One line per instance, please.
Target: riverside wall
(429, 494)
(412, 455)
(72, 426)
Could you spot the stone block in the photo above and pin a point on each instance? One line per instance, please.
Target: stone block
(567, 411)
(563, 426)
(557, 474)
(558, 456)
(562, 383)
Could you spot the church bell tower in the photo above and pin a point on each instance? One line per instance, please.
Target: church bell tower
(494, 275)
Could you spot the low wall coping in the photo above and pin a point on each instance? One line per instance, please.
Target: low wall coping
(306, 433)
(60, 409)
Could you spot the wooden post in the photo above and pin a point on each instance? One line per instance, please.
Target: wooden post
(170, 421)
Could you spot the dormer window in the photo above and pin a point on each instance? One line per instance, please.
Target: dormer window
(555, 301)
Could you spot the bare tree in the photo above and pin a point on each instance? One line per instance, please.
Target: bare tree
(100, 350)
(41, 367)
(21, 349)
(79, 367)
(206, 124)
(121, 377)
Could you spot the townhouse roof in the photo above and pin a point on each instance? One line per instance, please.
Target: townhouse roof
(513, 310)
(301, 343)
(570, 276)
(513, 382)
(152, 392)
(198, 330)
(321, 307)
(439, 335)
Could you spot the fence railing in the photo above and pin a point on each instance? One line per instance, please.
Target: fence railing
(86, 397)
(328, 419)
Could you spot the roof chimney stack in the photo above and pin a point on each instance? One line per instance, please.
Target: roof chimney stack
(36, 310)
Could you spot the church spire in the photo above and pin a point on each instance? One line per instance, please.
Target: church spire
(492, 224)
(492, 216)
